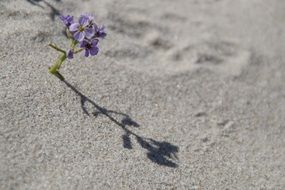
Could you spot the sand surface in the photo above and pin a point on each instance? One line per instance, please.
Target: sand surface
(185, 94)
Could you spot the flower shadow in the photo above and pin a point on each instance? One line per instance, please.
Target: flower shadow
(161, 153)
(54, 11)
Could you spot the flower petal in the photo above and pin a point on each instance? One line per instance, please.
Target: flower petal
(94, 50)
(90, 32)
(101, 32)
(83, 44)
(70, 54)
(86, 52)
(94, 42)
(83, 20)
(62, 17)
(74, 27)
(69, 21)
(79, 36)
(89, 16)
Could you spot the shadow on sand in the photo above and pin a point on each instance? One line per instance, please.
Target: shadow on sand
(53, 13)
(162, 153)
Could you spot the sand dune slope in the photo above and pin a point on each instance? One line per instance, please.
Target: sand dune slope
(185, 94)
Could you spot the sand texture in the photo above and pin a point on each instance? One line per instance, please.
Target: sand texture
(185, 94)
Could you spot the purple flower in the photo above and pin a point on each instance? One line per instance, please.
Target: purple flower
(90, 17)
(70, 54)
(67, 20)
(100, 32)
(90, 47)
(82, 29)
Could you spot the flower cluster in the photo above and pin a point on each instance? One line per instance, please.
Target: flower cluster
(84, 35)
(86, 32)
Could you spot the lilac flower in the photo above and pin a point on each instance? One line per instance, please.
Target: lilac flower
(82, 29)
(90, 17)
(70, 54)
(84, 33)
(90, 47)
(100, 32)
(67, 20)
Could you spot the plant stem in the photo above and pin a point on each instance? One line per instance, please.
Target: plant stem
(57, 48)
(73, 44)
(78, 51)
(56, 66)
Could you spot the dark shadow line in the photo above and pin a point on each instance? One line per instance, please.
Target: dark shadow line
(35, 3)
(54, 12)
(162, 153)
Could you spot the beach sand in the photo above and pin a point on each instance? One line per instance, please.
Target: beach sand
(185, 94)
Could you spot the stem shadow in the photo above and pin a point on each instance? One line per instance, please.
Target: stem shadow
(162, 153)
(54, 11)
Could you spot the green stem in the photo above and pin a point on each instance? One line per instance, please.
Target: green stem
(78, 51)
(73, 44)
(57, 48)
(54, 69)
(56, 66)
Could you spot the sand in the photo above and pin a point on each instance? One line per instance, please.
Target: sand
(184, 94)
